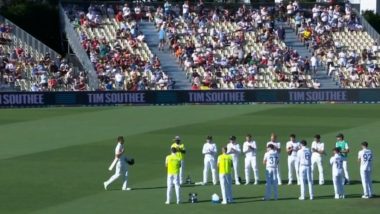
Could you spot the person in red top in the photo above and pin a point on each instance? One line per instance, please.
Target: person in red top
(195, 87)
(119, 17)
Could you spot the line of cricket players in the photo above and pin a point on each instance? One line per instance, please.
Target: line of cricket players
(301, 165)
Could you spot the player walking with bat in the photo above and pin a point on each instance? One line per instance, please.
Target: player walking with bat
(120, 162)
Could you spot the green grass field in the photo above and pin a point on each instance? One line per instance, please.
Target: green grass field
(54, 160)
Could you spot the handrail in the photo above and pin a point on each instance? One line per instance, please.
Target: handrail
(77, 48)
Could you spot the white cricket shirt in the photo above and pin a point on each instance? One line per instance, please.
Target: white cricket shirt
(336, 162)
(295, 146)
(209, 150)
(365, 156)
(272, 159)
(304, 157)
(236, 148)
(247, 148)
(319, 147)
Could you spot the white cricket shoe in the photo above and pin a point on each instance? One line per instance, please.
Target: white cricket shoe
(301, 198)
(311, 198)
(336, 197)
(105, 185)
(365, 197)
(126, 189)
(238, 183)
(256, 183)
(167, 202)
(224, 202)
(342, 196)
(178, 202)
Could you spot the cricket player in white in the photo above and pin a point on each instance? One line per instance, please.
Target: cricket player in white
(277, 146)
(271, 161)
(336, 162)
(318, 149)
(234, 150)
(249, 149)
(292, 148)
(365, 159)
(304, 158)
(121, 165)
(209, 151)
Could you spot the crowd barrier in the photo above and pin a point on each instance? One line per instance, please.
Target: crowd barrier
(100, 98)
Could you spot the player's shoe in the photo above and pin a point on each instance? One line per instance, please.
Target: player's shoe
(238, 183)
(336, 197)
(246, 183)
(342, 197)
(311, 198)
(301, 198)
(290, 183)
(224, 202)
(126, 189)
(178, 202)
(167, 202)
(365, 197)
(105, 185)
(256, 183)
(279, 183)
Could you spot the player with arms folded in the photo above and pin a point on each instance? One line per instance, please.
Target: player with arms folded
(318, 149)
(271, 161)
(277, 147)
(249, 149)
(292, 147)
(365, 158)
(180, 152)
(209, 151)
(304, 158)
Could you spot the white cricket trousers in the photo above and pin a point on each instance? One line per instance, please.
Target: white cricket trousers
(306, 179)
(226, 187)
(272, 183)
(317, 160)
(366, 182)
(173, 180)
(338, 180)
(293, 164)
(181, 171)
(209, 163)
(121, 170)
(235, 164)
(345, 170)
(250, 163)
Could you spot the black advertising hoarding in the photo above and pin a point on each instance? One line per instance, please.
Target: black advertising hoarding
(96, 98)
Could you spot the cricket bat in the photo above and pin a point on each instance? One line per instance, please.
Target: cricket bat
(113, 164)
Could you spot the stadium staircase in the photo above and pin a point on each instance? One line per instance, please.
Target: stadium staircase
(291, 40)
(168, 61)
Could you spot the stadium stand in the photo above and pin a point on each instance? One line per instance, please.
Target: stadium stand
(112, 39)
(27, 69)
(335, 35)
(221, 49)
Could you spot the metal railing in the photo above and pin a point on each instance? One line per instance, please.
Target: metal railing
(368, 27)
(76, 46)
(22, 38)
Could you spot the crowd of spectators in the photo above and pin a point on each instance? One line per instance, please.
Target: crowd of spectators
(112, 38)
(26, 70)
(225, 48)
(337, 40)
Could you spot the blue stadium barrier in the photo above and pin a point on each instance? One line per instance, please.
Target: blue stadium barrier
(101, 98)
